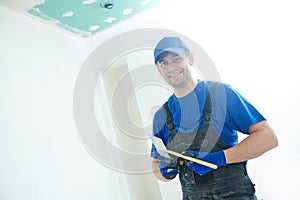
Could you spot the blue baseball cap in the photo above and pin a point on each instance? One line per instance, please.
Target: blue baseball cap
(169, 44)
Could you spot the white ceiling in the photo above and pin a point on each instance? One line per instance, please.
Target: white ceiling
(20, 6)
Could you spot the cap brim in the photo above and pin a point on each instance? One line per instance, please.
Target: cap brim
(175, 50)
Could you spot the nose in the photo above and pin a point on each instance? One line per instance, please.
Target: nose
(171, 67)
(173, 64)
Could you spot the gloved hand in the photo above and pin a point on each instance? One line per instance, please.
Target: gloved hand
(218, 158)
(168, 169)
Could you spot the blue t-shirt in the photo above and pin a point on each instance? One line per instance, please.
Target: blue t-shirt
(232, 113)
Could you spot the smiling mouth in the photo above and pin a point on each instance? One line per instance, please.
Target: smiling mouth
(173, 75)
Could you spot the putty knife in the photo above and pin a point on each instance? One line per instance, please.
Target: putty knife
(164, 152)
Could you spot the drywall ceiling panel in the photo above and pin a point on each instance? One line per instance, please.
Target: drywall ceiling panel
(87, 17)
(82, 17)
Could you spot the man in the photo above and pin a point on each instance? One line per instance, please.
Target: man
(201, 119)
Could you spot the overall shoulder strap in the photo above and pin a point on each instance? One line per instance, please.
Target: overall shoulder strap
(169, 119)
(209, 106)
(210, 134)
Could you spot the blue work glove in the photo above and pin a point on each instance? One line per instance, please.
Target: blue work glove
(218, 158)
(168, 169)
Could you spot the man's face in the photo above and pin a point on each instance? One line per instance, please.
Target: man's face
(175, 69)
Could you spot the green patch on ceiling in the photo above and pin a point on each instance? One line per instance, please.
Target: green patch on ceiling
(87, 17)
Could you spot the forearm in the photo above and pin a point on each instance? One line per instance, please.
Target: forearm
(261, 139)
(156, 171)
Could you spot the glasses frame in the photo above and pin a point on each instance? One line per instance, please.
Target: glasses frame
(176, 60)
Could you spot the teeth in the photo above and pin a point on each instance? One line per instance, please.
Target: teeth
(175, 74)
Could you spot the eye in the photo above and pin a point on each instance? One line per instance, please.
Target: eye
(164, 64)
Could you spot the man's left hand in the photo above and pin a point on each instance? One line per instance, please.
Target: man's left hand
(218, 158)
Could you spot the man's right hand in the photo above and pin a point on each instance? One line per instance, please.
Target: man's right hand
(168, 169)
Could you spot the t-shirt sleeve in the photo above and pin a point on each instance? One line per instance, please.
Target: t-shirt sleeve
(241, 114)
(159, 130)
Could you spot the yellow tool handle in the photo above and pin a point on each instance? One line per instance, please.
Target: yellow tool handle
(207, 164)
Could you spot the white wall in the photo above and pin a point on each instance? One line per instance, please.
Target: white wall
(254, 45)
(42, 156)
